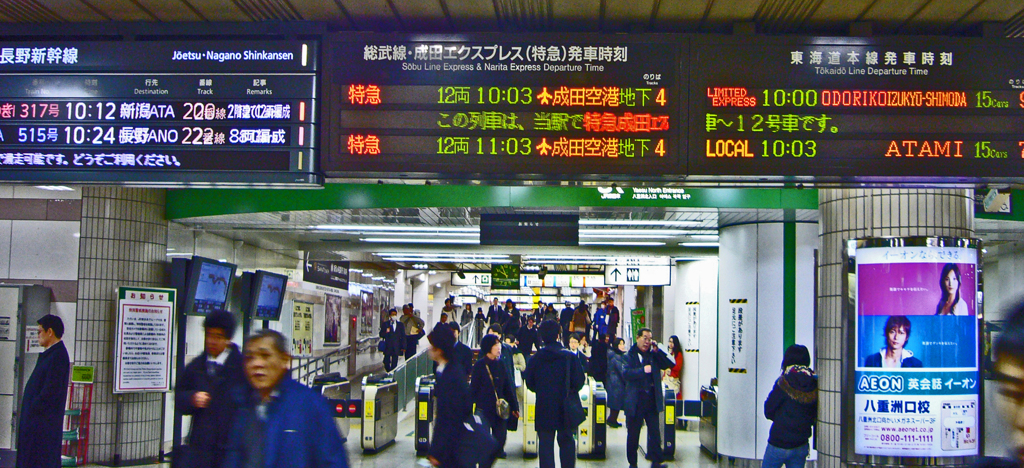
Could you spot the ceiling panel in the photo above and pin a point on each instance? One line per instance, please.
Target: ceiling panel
(889, 15)
(269, 10)
(724, 13)
(219, 10)
(423, 15)
(938, 16)
(322, 10)
(173, 10)
(472, 15)
(834, 16)
(577, 15)
(122, 10)
(990, 11)
(619, 15)
(371, 15)
(681, 16)
(783, 16)
(523, 15)
(67, 10)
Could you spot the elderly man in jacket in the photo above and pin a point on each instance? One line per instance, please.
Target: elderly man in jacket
(210, 390)
(287, 424)
(546, 375)
(644, 397)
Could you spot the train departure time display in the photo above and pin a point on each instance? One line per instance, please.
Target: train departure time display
(164, 113)
(530, 106)
(856, 108)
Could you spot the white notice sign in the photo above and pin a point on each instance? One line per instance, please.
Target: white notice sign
(142, 355)
(5, 328)
(32, 345)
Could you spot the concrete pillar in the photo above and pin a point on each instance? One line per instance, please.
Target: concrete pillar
(850, 214)
(402, 296)
(123, 243)
(765, 304)
(696, 323)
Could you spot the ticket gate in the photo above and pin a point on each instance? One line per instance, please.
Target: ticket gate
(668, 426)
(380, 413)
(529, 423)
(591, 435)
(337, 391)
(424, 413)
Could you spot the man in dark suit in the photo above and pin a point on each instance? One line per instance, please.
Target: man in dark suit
(545, 375)
(644, 397)
(528, 338)
(494, 313)
(564, 319)
(42, 407)
(462, 355)
(454, 404)
(393, 334)
(211, 390)
(513, 319)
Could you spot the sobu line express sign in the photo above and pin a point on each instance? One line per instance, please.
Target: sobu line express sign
(159, 112)
(531, 106)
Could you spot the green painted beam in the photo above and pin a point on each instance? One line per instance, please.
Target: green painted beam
(788, 284)
(192, 203)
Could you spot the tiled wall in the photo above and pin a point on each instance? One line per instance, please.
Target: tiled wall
(123, 243)
(850, 214)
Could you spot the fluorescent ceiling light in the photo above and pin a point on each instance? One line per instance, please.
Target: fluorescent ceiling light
(445, 260)
(391, 228)
(55, 188)
(440, 255)
(626, 236)
(705, 236)
(416, 240)
(355, 270)
(629, 222)
(670, 232)
(637, 244)
(698, 244)
(179, 254)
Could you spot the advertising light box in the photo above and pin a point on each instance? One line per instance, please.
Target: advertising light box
(917, 375)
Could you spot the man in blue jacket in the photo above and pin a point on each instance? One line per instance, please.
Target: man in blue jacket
(287, 425)
(42, 408)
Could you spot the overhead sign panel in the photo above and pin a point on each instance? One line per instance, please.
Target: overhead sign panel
(846, 108)
(159, 112)
(327, 273)
(525, 106)
(640, 275)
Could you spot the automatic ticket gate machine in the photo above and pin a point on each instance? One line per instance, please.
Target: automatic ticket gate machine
(668, 423)
(380, 413)
(424, 413)
(337, 391)
(591, 437)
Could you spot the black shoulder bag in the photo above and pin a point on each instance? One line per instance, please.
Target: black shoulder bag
(572, 409)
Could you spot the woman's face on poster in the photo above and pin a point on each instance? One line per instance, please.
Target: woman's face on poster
(897, 338)
(950, 282)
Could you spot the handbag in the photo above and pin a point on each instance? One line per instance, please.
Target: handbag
(572, 409)
(381, 345)
(476, 446)
(504, 410)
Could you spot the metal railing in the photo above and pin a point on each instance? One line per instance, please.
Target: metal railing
(407, 372)
(336, 360)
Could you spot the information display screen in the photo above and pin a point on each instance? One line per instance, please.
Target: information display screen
(531, 106)
(856, 108)
(159, 112)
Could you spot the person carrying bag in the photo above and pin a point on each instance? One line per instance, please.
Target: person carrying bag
(492, 392)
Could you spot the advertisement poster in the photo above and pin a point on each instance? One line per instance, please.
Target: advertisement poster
(142, 350)
(917, 352)
(366, 311)
(32, 345)
(333, 313)
(738, 351)
(692, 344)
(302, 329)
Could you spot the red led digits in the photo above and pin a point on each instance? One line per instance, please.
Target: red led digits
(363, 144)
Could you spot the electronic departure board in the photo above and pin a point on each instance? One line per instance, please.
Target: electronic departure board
(162, 113)
(835, 109)
(516, 107)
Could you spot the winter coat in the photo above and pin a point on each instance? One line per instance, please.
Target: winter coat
(228, 389)
(463, 357)
(527, 340)
(513, 322)
(580, 320)
(639, 383)
(616, 383)
(483, 391)
(40, 426)
(598, 365)
(545, 375)
(601, 321)
(465, 318)
(454, 406)
(792, 406)
(299, 432)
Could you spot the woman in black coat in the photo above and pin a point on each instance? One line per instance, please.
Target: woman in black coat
(452, 398)
(490, 382)
(792, 406)
(616, 385)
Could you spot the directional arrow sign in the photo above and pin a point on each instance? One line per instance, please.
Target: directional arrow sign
(639, 275)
